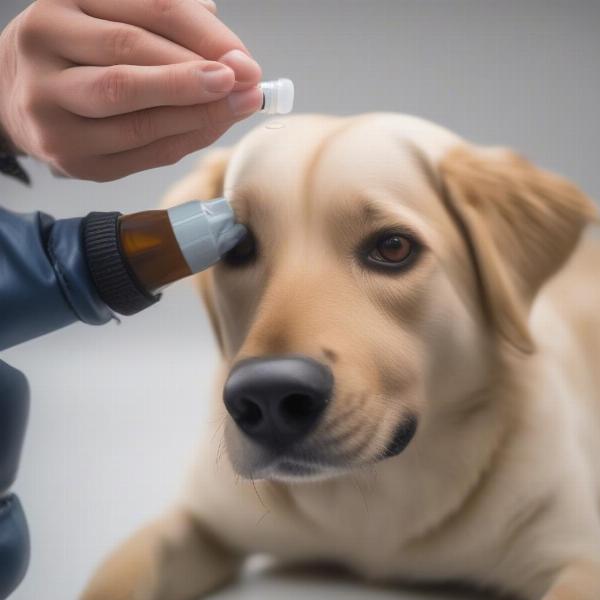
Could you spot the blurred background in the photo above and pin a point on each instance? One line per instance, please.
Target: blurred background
(117, 411)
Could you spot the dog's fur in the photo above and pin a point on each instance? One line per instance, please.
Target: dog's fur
(487, 341)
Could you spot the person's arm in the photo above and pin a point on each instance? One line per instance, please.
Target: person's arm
(44, 280)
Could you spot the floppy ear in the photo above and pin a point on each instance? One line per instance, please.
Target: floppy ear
(520, 223)
(204, 183)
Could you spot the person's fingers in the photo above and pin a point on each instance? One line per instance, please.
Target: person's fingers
(210, 5)
(168, 151)
(138, 129)
(86, 40)
(217, 119)
(106, 91)
(185, 22)
(247, 72)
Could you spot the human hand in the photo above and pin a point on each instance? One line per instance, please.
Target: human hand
(100, 89)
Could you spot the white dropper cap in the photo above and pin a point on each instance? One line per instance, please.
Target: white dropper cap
(278, 96)
(205, 231)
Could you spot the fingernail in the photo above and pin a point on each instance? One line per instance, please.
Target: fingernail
(209, 4)
(246, 68)
(217, 78)
(246, 102)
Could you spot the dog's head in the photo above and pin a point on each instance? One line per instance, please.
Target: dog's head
(387, 265)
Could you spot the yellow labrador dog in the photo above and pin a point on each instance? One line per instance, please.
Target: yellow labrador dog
(410, 335)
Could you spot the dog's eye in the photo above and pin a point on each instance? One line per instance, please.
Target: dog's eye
(242, 254)
(392, 250)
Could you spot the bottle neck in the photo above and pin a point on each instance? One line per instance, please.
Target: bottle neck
(151, 249)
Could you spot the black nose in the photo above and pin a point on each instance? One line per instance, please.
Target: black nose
(277, 401)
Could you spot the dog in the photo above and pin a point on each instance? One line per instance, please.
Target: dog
(410, 337)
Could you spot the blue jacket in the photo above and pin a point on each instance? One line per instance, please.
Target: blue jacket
(45, 283)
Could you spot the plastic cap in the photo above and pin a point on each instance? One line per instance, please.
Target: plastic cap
(278, 96)
(205, 231)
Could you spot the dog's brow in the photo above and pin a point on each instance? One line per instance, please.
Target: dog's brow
(241, 210)
(240, 205)
(384, 211)
(248, 201)
(372, 210)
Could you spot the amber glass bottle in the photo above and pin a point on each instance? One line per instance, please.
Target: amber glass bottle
(132, 258)
(153, 254)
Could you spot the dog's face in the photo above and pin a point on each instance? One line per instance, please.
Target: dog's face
(362, 305)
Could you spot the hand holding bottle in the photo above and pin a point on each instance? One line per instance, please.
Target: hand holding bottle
(100, 89)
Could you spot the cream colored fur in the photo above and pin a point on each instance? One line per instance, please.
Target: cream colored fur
(492, 339)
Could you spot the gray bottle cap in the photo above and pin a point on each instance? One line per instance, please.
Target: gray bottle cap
(205, 231)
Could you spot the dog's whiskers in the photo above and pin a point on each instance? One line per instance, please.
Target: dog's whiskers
(220, 451)
(219, 427)
(267, 509)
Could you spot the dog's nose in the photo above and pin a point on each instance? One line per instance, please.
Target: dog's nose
(278, 401)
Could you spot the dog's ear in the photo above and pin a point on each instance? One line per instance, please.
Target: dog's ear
(520, 224)
(204, 183)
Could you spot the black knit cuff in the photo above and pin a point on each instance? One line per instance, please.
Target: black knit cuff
(117, 285)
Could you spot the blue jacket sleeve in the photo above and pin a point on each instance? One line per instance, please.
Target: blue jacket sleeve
(45, 283)
(14, 533)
